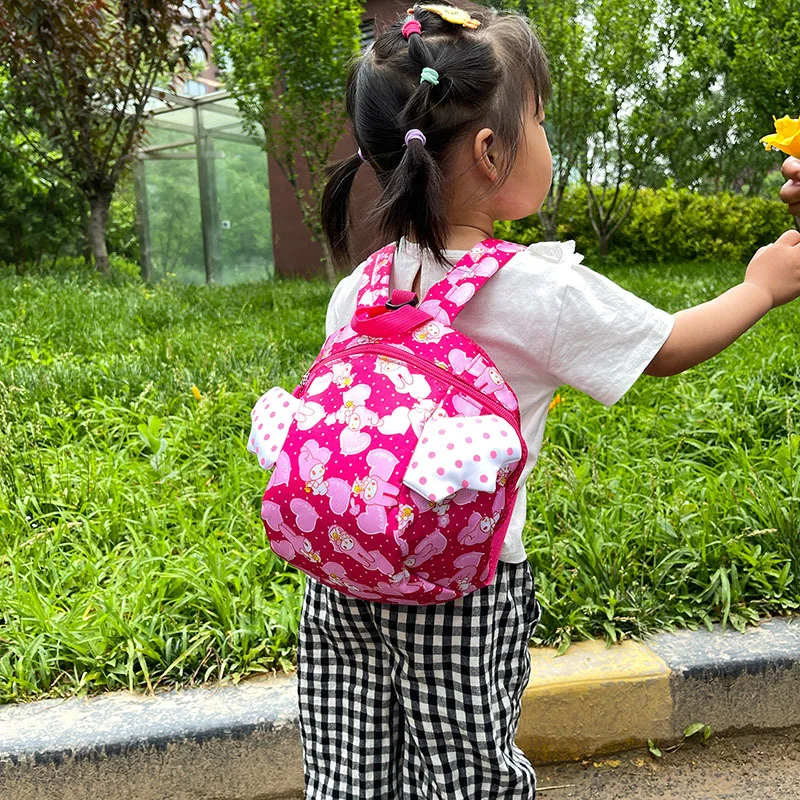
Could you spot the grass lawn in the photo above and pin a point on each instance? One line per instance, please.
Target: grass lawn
(131, 550)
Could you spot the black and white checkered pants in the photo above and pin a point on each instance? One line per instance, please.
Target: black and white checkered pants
(417, 702)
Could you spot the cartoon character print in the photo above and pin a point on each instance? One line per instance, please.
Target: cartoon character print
(434, 308)
(355, 416)
(430, 333)
(480, 528)
(424, 505)
(376, 492)
(461, 290)
(466, 406)
(308, 415)
(370, 297)
(348, 545)
(338, 576)
(341, 375)
(282, 472)
(292, 544)
(375, 280)
(311, 464)
(328, 346)
(364, 339)
(504, 472)
(401, 584)
(403, 418)
(467, 564)
(442, 508)
(431, 545)
(487, 378)
(402, 379)
(405, 517)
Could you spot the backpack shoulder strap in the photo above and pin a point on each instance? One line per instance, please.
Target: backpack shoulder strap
(375, 278)
(446, 298)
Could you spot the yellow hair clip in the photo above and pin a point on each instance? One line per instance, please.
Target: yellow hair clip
(457, 16)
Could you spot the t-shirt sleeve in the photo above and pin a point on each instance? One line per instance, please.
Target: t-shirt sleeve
(605, 336)
(342, 302)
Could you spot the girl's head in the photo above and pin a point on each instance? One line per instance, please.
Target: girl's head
(476, 95)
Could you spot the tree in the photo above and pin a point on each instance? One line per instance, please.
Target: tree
(285, 63)
(561, 26)
(82, 71)
(37, 211)
(727, 67)
(622, 56)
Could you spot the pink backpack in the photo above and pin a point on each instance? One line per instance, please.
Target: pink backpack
(397, 457)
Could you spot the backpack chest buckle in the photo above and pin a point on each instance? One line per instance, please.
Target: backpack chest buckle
(401, 298)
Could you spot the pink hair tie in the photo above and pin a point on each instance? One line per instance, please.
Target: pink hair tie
(415, 133)
(411, 26)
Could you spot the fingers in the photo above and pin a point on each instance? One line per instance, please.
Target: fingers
(791, 169)
(790, 194)
(790, 191)
(790, 237)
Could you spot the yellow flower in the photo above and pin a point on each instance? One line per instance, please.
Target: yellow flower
(787, 137)
(555, 401)
(196, 393)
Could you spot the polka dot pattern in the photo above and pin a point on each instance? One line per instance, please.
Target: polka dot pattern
(455, 458)
(271, 420)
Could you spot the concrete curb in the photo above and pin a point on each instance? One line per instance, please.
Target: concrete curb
(243, 741)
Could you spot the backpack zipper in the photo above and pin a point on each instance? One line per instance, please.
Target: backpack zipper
(435, 372)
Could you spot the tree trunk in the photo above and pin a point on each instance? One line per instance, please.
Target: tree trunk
(548, 220)
(330, 271)
(98, 217)
(603, 241)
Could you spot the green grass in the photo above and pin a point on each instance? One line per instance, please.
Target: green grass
(132, 554)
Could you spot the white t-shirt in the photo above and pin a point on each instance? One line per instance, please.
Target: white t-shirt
(546, 320)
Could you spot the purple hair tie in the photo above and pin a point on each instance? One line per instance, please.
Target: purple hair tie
(361, 155)
(411, 26)
(415, 133)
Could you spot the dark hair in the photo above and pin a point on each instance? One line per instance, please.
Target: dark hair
(486, 78)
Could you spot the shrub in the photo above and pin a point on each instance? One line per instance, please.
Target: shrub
(668, 224)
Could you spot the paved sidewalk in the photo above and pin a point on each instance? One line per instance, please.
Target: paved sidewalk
(243, 741)
(762, 766)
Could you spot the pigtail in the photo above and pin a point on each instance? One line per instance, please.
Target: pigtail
(413, 200)
(335, 208)
(425, 82)
(412, 204)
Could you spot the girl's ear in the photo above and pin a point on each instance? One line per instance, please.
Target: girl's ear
(484, 157)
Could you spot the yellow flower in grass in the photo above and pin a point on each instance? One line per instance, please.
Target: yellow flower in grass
(196, 393)
(557, 400)
(786, 137)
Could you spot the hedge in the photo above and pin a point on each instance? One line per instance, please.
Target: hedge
(668, 224)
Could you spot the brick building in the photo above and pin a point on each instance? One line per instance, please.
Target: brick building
(295, 253)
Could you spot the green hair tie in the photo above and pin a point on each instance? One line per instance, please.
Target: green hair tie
(430, 75)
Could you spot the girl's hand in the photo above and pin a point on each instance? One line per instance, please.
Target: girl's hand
(775, 268)
(790, 191)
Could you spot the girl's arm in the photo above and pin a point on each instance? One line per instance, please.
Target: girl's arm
(772, 279)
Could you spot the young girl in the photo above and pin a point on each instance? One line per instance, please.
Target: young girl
(423, 702)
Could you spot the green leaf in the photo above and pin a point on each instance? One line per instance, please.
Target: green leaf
(691, 730)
